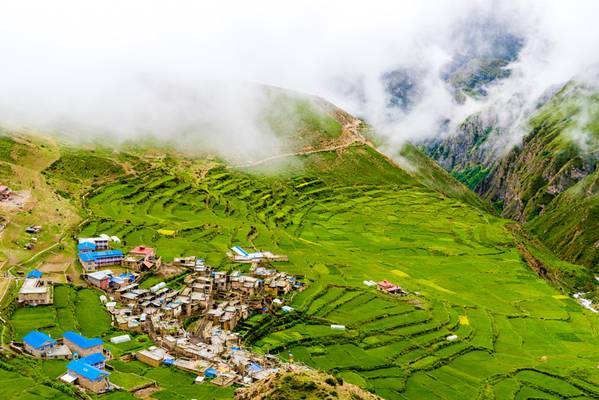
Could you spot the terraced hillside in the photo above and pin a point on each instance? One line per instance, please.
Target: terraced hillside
(347, 216)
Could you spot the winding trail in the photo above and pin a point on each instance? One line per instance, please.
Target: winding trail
(349, 136)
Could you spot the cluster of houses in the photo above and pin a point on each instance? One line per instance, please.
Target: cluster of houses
(96, 252)
(87, 356)
(35, 290)
(221, 358)
(218, 301)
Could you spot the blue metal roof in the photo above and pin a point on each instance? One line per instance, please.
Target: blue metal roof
(82, 341)
(34, 274)
(37, 339)
(93, 359)
(239, 250)
(85, 370)
(86, 246)
(96, 255)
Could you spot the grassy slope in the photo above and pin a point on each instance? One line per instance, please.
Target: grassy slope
(561, 147)
(26, 157)
(343, 217)
(435, 177)
(350, 216)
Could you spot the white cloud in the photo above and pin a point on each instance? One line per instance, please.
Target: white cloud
(102, 66)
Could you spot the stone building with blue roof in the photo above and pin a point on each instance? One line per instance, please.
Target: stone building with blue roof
(38, 343)
(91, 260)
(97, 360)
(81, 345)
(34, 274)
(87, 376)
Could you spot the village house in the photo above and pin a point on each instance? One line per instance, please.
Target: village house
(92, 260)
(153, 356)
(38, 344)
(388, 287)
(100, 243)
(100, 279)
(86, 247)
(87, 376)
(247, 285)
(97, 360)
(142, 258)
(107, 280)
(33, 229)
(278, 285)
(238, 254)
(5, 192)
(35, 292)
(187, 262)
(220, 281)
(81, 345)
(124, 279)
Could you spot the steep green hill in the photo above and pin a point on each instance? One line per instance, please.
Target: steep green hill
(548, 181)
(478, 323)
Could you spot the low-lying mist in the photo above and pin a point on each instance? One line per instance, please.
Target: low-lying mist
(191, 74)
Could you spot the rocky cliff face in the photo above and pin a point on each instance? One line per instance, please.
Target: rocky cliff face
(533, 182)
(470, 154)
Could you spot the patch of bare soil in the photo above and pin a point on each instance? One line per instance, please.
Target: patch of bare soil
(168, 270)
(17, 201)
(54, 267)
(146, 393)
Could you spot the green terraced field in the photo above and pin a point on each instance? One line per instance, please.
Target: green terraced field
(347, 217)
(78, 310)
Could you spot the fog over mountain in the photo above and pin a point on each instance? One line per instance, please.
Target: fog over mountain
(85, 69)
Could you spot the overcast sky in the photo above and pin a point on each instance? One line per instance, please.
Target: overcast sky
(94, 66)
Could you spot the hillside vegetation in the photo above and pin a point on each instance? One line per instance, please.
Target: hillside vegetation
(478, 322)
(350, 215)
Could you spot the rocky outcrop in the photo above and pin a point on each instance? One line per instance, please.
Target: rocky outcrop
(308, 384)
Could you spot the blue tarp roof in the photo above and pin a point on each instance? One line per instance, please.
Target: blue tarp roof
(95, 255)
(210, 373)
(255, 367)
(34, 274)
(87, 371)
(37, 339)
(168, 361)
(82, 341)
(93, 359)
(127, 275)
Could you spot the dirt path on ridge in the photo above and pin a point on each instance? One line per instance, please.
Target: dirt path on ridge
(349, 136)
